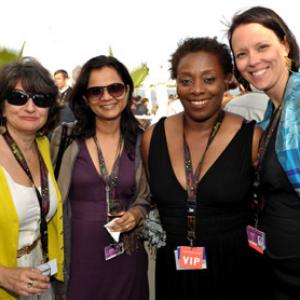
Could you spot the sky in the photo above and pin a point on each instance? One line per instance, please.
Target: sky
(64, 34)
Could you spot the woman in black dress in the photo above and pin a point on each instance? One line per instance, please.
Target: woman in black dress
(267, 56)
(200, 165)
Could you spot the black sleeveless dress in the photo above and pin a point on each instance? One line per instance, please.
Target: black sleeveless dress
(281, 223)
(223, 198)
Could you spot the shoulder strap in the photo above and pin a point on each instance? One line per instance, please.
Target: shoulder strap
(159, 128)
(64, 143)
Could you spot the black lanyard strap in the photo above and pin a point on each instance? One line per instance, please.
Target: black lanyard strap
(43, 197)
(111, 180)
(192, 178)
(264, 142)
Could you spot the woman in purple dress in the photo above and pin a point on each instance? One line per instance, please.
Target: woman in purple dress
(102, 180)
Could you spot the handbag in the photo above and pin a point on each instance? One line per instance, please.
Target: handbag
(152, 231)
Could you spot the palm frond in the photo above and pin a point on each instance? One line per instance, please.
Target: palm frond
(139, 74)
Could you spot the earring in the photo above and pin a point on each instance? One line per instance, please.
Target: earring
(2, 126)
(288, 63)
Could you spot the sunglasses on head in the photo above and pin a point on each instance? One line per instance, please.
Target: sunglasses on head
(114, 90)
(20, 98)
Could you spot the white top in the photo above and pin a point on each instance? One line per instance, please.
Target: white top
(174, 107)
(251, 106)
(28, 209)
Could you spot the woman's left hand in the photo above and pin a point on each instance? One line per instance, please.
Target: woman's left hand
(128, 221)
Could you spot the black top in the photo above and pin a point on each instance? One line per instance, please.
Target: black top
(66, 114)
(223, 196)
(281, 218)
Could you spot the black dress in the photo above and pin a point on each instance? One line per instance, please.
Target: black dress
(223, 197)
(281, 223)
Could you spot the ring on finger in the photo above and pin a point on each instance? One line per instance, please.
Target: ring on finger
(29, 284)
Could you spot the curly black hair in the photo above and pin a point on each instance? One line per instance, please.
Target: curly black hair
(85, 116)
(35, 79)
(205, 44)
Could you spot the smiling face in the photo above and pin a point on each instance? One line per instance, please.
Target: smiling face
(201, 84)
(106, 106)
(27, 118)
(259, 56)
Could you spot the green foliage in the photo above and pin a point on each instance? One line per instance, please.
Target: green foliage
(8, 55)
(110, 52)
(139, 74)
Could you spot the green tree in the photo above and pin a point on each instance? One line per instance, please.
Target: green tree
(110, 52)
(138, 74)
(8, 55)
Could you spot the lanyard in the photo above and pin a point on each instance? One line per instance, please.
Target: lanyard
(192, 179)
(43, 197)
(265, 140)
(111, 181)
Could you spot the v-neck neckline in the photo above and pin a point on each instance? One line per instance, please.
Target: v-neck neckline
(210, 168)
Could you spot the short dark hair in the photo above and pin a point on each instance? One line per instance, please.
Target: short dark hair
(86, 117)
(63, 72)
(35, 79)
(205, 44)
(271, 20)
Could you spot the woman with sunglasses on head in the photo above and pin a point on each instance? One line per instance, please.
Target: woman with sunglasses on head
(266, 55)
(102, 179)
(31, 207)
(200, 166)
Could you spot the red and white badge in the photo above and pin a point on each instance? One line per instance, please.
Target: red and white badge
(190, 258)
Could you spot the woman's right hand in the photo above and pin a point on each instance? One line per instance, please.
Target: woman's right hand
(23, 281)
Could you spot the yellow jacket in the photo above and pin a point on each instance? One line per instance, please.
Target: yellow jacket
(9, 224)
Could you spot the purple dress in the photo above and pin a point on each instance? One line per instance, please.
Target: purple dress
(91, 277)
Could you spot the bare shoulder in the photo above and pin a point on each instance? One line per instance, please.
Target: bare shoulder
(145, 144)
(169, 125)
(147, 134)
(173, 124)
(236, 122)
(233, 121)
(257, 133)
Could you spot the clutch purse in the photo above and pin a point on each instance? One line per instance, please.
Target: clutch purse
(152, 231)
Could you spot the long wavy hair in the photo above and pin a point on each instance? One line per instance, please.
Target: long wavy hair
(86, 126)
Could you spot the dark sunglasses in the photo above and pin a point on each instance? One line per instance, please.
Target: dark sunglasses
(20, 98)
(114, 89)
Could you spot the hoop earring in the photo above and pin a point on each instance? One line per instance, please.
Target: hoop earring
(288, 63)
(2, 126)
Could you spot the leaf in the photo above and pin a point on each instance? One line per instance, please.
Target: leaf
(21, 50)
(110, 52)
(139, 74)
(9, 55)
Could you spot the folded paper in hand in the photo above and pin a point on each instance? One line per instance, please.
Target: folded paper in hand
(49, 268)
(114, 234)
